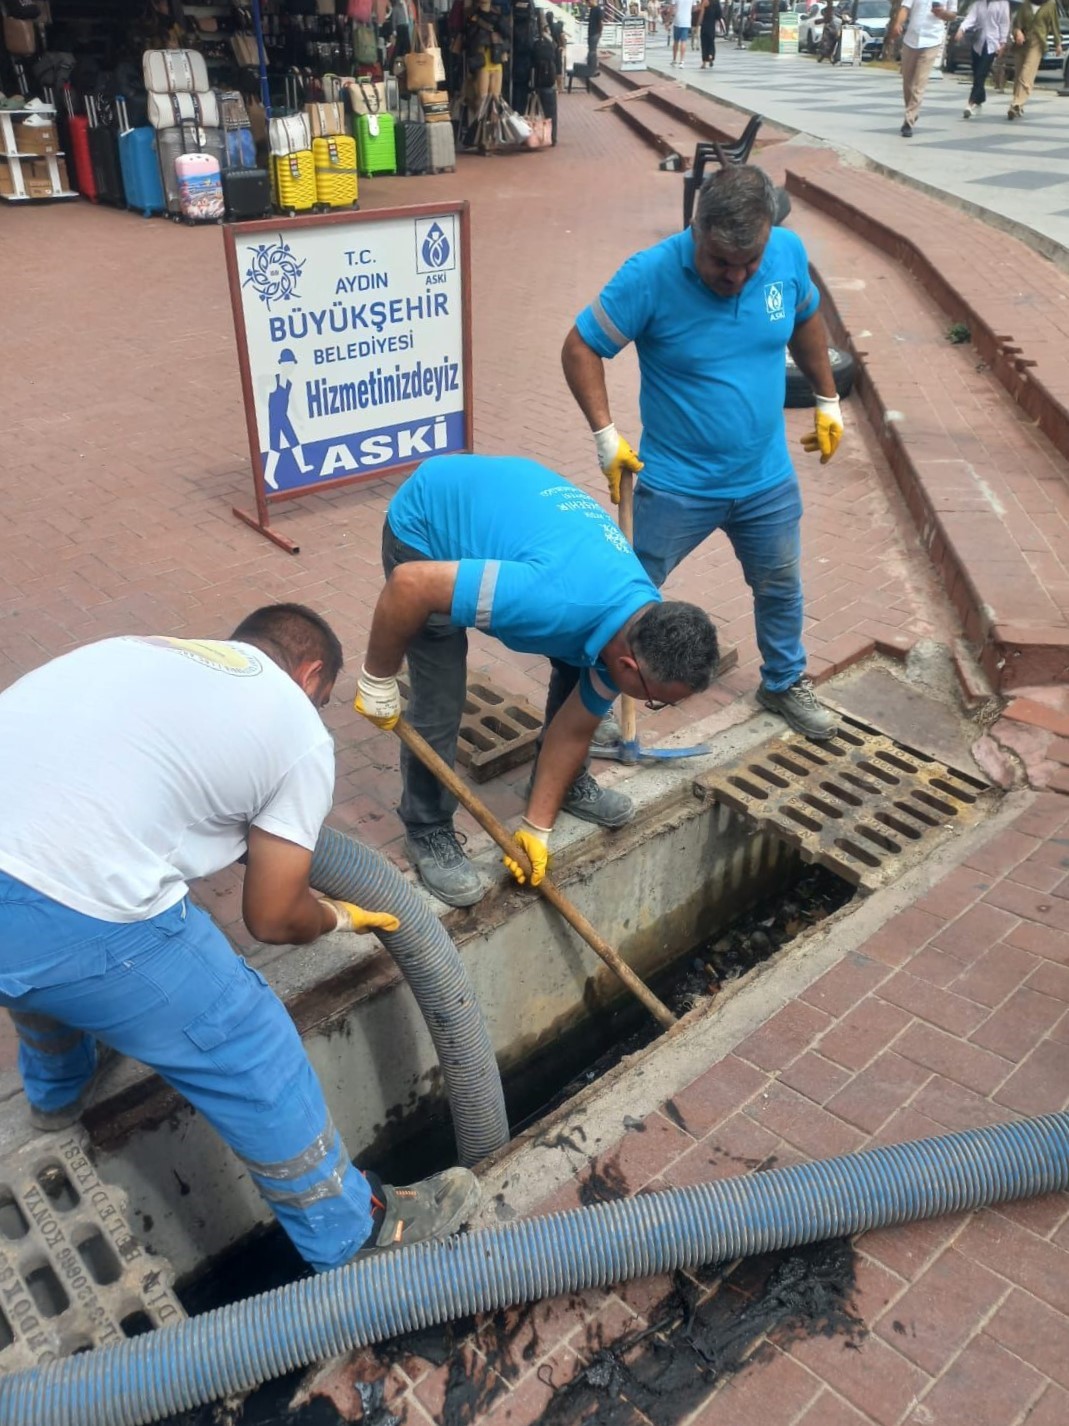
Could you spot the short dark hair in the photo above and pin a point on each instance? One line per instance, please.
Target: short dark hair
(676, 643)
(735, 205)
(292, 634)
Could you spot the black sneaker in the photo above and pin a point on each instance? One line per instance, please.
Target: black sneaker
(443, 868)
(433, 1208)
(906, 131)
(51, 1121)
(592, 803)
(801, 708)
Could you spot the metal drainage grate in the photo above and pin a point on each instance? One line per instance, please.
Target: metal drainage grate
(72, 1274)
(859, 804)
(498, 730)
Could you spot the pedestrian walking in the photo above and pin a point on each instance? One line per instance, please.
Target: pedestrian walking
(710, 16)
(924, 23)
(989, 23)
(502, 544)
(681, 12)
(711, 312)
(1031, 30)
(130, 768)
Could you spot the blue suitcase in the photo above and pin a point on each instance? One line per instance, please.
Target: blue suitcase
(140, 166)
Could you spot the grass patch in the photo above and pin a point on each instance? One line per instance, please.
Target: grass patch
(761, 44)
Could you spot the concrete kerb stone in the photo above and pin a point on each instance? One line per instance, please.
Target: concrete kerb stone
(543, 1160)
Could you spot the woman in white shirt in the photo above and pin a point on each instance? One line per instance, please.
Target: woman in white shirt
(990, 22)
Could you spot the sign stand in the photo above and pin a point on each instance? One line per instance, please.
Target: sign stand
(633, 42)
(354, 345)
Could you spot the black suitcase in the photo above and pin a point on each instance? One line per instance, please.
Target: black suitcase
(413, 146)
(104, 153)
(246, 193)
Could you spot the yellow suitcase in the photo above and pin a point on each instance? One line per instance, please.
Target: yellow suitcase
(294, 179)
(335, 170)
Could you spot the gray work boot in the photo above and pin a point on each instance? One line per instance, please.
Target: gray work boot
(801, 708)
(607, 734)
(51, 1121)
(602, 805)
(432, 1208)
(443, 868)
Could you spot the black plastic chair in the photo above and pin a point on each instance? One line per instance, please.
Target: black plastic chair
(726, 155)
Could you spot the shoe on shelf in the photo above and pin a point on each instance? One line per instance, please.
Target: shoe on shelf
(607, 734)
(432, 1208)
(51, 1121)
(592, 803)
(906, 130)
(801, 708)
(443, 868)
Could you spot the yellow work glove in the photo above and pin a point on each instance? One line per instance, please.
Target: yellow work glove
(615, 456)
(535, 842)
(827, 429)
(379, 699)
(349, 917)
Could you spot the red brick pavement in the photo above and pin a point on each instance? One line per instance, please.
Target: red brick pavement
(954, 1015)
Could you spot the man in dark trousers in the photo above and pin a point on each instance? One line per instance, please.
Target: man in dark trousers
(131, 767)
(712, 312)
(594, 26)
(501, 544)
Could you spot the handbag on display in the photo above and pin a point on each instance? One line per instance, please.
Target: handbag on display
(366, 96)
(290, 135)
(20, 37)
(419, 65)
(326, 119)
(365, 45)
(245, 50)
(541, 127)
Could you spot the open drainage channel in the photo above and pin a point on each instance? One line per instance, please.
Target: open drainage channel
(706, 884)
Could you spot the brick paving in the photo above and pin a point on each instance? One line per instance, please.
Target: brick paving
(125, 455)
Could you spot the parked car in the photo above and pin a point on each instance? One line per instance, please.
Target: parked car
(757, 19)
(810, 27)
(873, 18)
(958, 45)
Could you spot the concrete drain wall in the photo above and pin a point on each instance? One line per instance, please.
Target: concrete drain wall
(72, 1273)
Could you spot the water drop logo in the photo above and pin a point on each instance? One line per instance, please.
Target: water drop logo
(436, 248)
(273, 272)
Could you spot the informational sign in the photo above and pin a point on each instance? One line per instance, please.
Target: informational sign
(354, 341)
(788, 32)
(610, 36)
(851, 44)
(633, 43)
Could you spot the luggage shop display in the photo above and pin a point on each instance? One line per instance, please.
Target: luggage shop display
(443, 149)
(140, 166)
(335, 170)
(81, 163)
(200, 187)
(413, 146)
(294, 180)
(175, 72)
(104, 155)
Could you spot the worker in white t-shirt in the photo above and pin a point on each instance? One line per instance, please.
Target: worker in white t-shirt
(680, 31)
(925, 25)
(129, 768)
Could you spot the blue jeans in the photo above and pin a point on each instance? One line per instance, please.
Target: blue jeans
(765, 533)
(171, 992)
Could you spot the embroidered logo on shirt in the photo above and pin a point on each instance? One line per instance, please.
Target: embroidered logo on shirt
(774, 301)
(211, 654)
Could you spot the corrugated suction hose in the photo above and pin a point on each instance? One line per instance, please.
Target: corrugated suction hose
(235, 1348)
(430, 963)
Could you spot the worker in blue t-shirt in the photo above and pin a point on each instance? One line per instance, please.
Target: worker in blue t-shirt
(502, 544)
(712, 312)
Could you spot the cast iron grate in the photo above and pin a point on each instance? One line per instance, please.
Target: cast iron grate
(860, 804)
(72, 1274)
(498, 729)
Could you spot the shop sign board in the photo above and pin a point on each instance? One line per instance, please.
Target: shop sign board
(633, 45)
(354, 343)
(788, 32)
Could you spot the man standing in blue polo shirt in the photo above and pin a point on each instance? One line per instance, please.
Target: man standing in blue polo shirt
(712, 312)
(501, 544)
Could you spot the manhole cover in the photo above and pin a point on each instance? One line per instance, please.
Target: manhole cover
(860, 804)
(72, 1274)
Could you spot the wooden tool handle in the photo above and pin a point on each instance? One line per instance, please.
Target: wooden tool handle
(421, 749)
(628, 720)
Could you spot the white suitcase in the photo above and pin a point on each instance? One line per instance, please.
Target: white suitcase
(175, 71)
(168, 111)
(200, 187)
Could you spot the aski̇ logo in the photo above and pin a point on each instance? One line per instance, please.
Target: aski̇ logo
(774, 301)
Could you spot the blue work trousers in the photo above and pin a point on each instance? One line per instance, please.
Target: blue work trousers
(171, 992)
(765, 533)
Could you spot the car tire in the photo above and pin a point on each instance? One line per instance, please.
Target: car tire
(800, 393)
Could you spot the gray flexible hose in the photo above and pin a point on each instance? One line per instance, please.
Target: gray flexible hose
(235, 1348)
(430, 963)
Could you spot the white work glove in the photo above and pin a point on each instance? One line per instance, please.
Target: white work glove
(827, 429)
(535, 842)
(379, 699)
(350, 917)
(615, 456)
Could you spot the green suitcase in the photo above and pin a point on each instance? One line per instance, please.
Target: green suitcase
(375, 142)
